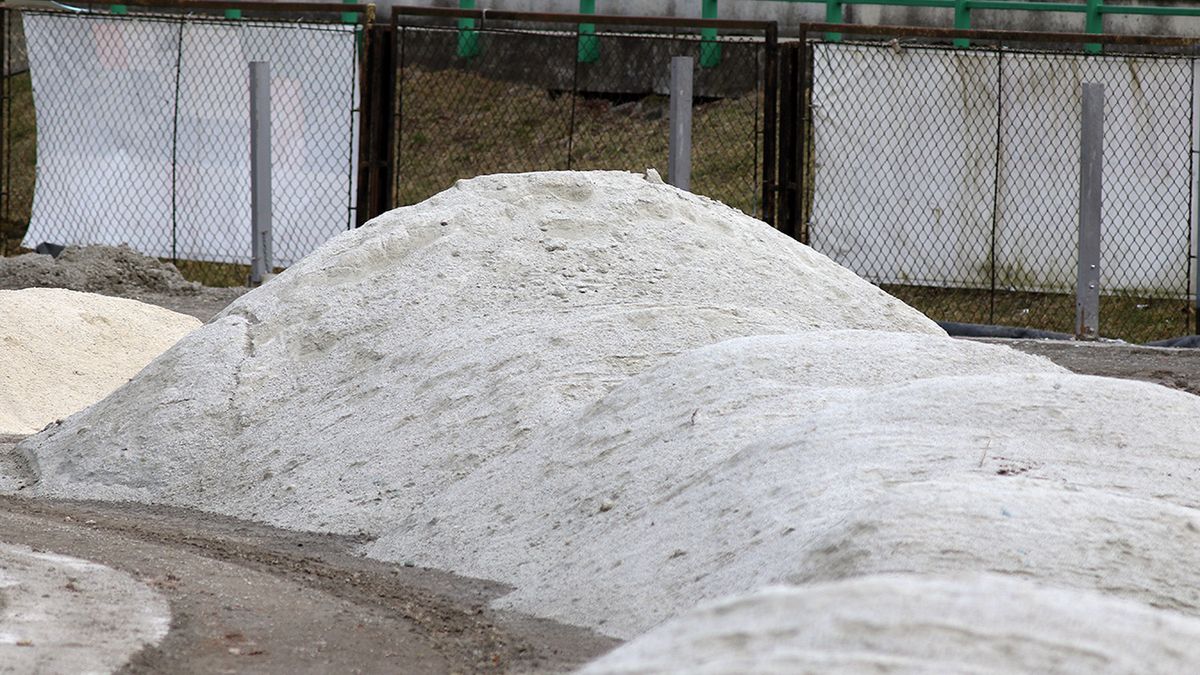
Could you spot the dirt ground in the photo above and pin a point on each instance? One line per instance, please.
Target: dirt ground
(250, 598)
(1175, 368)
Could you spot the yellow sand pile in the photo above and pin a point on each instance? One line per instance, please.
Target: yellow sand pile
(61, 351)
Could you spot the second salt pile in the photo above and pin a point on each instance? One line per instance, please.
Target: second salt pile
(825, 455)
(399, 357)
(61, 351)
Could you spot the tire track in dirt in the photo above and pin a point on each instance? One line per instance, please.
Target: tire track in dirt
(247, 597)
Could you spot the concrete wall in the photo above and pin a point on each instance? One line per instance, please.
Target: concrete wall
(789, 14)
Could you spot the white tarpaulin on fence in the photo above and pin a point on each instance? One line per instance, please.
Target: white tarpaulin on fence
(908, 186)
(144, 134)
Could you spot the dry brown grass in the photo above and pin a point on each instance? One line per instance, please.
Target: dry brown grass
(23, 151)
(457, 124)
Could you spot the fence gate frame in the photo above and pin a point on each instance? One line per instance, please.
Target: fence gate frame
(354, 15)
(584, 25)
(795, 189)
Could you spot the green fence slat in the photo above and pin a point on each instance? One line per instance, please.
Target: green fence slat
(588, 44)
(1093, 23)
(833, 14)
(468, 39)
(710, 49)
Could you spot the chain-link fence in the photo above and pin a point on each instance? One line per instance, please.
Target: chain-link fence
(502, 96)
(950, 177)
(142, 135)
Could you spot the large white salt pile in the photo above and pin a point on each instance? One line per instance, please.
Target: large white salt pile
(61, 351)
(774, 459)
(914, 624)
(621, 399)
(401, 356)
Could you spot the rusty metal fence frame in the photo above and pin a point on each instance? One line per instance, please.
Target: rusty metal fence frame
(796, 162)
(286, 15)
(584, 31)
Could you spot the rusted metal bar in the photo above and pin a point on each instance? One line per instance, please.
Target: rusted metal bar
(375, 119)
(1001, 35)
(5, 127)
(786, 177)
(384, 144)
(214, 5)
(804, 140)
(770, 121)
(555, 17)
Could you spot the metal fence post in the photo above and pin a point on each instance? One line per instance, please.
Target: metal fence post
(770, 130)
(376, 119)
(789, 84)
(1091, 169)
(1194, 189)
(260, 172)
(679, 169)
(5, 134)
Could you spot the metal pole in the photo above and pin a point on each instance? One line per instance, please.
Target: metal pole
(1194, 253)
(1091, 168)
(260, 172)
(770, 123)
(679, 169)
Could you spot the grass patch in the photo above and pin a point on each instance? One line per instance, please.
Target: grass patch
(213, 273)
(1130, 318)
(22, 129)
(457, 124)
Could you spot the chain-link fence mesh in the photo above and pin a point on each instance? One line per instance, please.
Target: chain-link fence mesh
(499, 98)
(951, 178)
(143, 135)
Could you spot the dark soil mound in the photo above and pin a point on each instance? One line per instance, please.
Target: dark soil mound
(109, 270)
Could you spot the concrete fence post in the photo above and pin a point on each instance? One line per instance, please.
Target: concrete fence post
(260, 172)
(679, 169)
(1091, 183)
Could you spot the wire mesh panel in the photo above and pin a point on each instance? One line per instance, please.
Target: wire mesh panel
(484, 106)
(905, 148)
(1146, 203)
(105, 96)
(512, 97)
(313, 135)
(951, 178)
(727, 128)
(143, 135)
(622, 120)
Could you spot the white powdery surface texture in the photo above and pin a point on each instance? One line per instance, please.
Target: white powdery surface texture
(61, 351)
(65, 615)
(823, 455)
(979, 624)
(401, 356)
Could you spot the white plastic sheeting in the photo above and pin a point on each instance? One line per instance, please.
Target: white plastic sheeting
(144, 136)
(907, 176)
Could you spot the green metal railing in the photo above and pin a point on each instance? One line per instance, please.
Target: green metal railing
(1093, 12)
